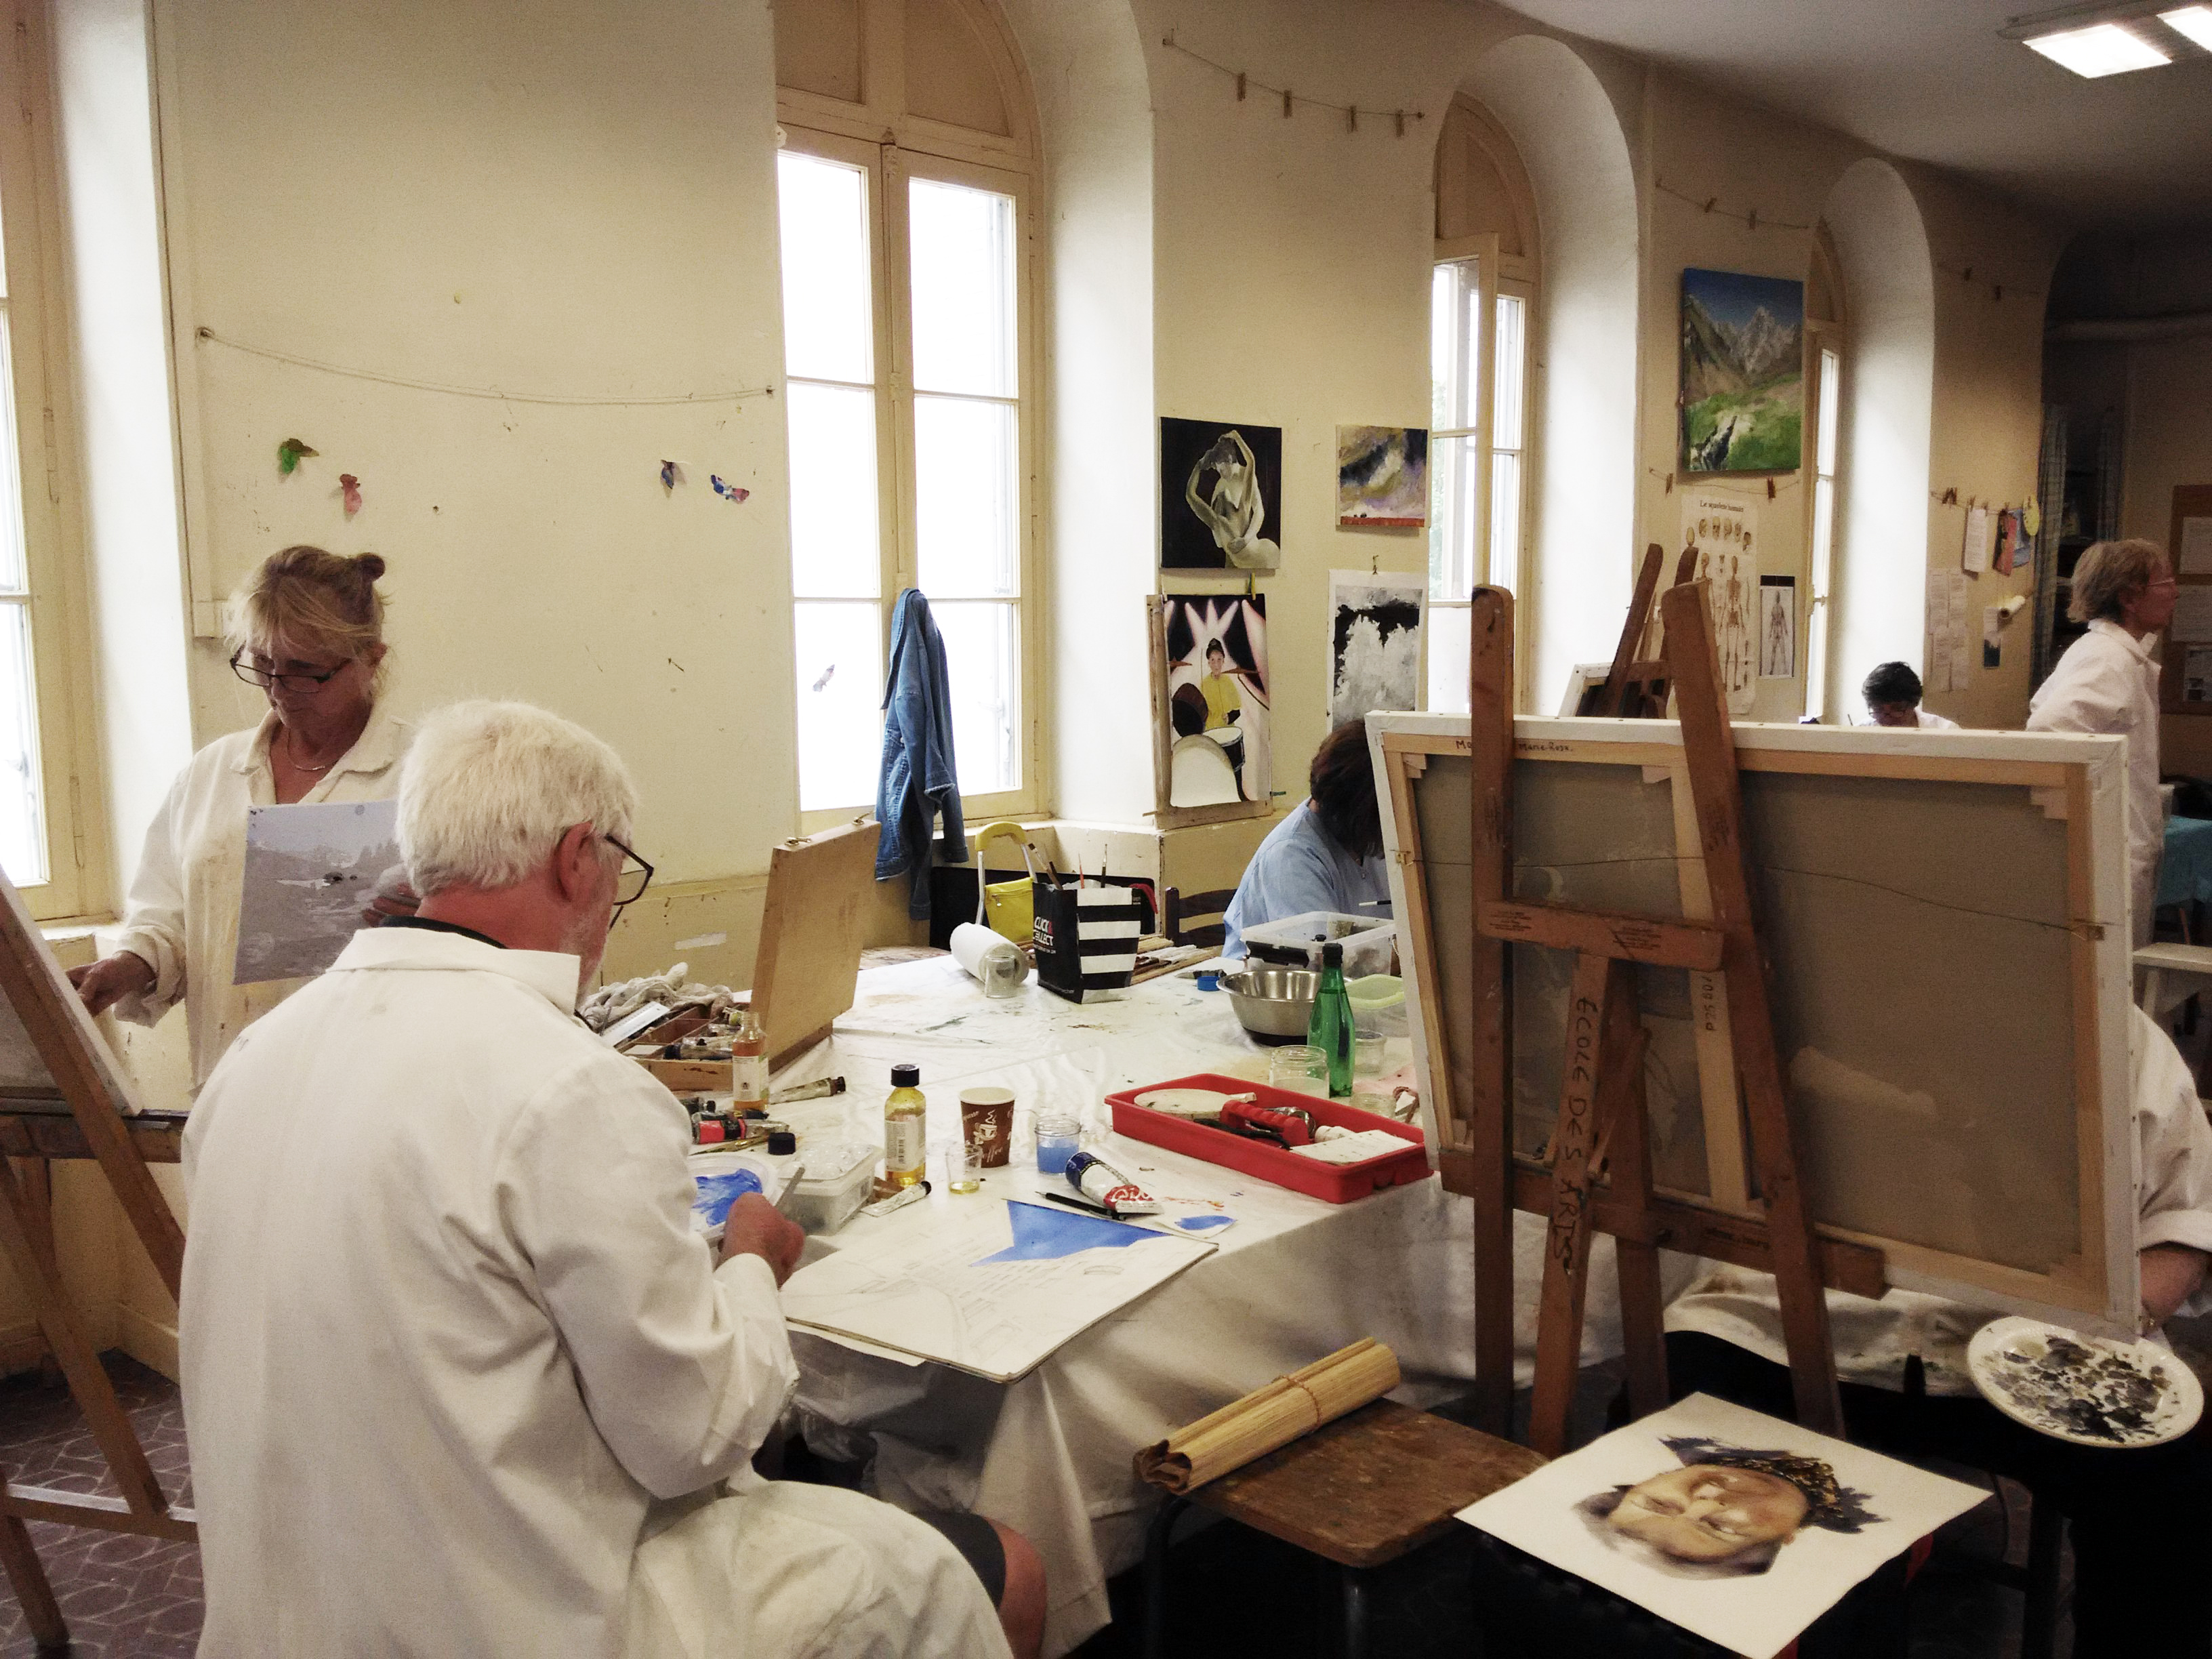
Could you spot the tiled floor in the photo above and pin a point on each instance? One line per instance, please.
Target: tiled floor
(124, 1597)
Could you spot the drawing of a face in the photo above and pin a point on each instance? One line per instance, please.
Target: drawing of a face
(1708, 1512)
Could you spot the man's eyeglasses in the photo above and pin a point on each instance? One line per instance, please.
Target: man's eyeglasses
(630, 882)
(259, 671)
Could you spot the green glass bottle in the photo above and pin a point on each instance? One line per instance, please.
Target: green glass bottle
(1330, 1027)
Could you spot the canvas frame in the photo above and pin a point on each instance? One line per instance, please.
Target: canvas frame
(2076, 781)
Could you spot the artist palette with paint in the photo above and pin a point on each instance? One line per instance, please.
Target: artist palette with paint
(2084, 1388)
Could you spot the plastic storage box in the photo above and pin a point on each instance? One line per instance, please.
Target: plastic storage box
(1370, 944)
(838, 1175)
(1332, 1183)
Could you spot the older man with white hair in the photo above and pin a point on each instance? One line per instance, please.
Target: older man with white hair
(458, 1377)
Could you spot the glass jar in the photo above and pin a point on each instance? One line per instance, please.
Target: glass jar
(1059, 1134)
(1298, 1066)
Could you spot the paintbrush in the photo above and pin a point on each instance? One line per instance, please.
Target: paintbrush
(814, 1090)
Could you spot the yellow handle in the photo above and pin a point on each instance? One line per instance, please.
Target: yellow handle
(991, 832)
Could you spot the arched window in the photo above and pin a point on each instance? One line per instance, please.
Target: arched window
(906, 182)
(1824, 339)
(1482, 302)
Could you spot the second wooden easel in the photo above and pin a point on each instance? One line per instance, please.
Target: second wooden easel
(1601, 1122)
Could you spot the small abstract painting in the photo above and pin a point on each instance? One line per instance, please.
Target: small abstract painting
(1743, 373)
(1739, 1527)
(1374, 643)
(1381, 477)
(1214, 682)
(1221, 495)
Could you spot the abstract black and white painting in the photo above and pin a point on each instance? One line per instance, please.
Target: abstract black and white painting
(1374, 642)
(1221, 495)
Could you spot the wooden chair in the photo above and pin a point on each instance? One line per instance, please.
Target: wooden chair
(1361, 1491)
(1178, 909)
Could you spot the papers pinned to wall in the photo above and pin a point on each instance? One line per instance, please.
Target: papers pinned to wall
(2196, 551)
(1976, 557)
(2192, 612)
(1723, 526)
(1948, 667)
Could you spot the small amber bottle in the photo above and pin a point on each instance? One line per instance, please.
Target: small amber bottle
(906, 1120)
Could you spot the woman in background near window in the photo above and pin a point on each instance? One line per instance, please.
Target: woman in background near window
(308, 628)
(2107, 682)
(1326, 854)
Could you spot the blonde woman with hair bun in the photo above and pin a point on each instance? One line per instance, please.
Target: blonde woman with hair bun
(2107, 682)
(307, 629)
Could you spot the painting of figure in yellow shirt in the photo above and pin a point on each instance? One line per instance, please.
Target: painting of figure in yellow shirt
(1224, 702)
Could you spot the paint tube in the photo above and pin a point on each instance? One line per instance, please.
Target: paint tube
(1101, 1183)
(897, 1200)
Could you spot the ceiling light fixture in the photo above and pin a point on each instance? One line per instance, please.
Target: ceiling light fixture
(2100, 50)
(2195, 23)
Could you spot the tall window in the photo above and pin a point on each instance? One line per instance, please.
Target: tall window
(41, 824)
(1478, 408)
(909, 148)
(1479, 298)
(1828, 390)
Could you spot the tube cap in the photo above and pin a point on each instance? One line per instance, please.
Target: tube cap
(782, 1144)
(905, 1077)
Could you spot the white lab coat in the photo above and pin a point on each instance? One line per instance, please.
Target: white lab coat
(459, 1379)
(1872, 1339)
(182, 916)
(1932, 722)
(2107, 682)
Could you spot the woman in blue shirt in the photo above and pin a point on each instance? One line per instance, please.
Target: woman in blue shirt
(1327, 854)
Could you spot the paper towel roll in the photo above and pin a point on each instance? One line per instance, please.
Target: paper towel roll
(990, 958)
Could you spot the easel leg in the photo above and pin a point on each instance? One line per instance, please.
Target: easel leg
(1490, 700)
(27, 1578)
(1591, 1022)
(35, 1176)
(1643, 1330)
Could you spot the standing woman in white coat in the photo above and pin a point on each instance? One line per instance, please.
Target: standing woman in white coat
(307, 628)
(2107, 682)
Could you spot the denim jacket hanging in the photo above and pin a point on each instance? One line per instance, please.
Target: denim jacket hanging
(920, 778)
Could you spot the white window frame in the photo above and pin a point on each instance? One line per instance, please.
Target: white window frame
(61, 656)
(888, 167)
(1824, 376)
(1496, 274)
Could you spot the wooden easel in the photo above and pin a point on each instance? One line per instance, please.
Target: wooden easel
(82, 1108)
(1635, 688)
(1601, 1120)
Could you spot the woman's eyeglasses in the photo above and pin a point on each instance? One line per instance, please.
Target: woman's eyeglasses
(259, 671)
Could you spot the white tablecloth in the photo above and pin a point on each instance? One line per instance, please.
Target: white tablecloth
(1049, 1454)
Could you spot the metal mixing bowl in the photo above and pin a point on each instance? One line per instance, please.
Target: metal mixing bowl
(1275, 1004)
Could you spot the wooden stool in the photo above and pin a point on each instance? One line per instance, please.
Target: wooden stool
(1360, 1491)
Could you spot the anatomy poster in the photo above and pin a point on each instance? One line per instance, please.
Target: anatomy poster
(1221, 495)
(1724, 526)
(1777, 628)
(1374, 643)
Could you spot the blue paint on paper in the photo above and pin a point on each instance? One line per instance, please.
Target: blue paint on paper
(718, 1192)
(1043, 1233)
(1199, 1224)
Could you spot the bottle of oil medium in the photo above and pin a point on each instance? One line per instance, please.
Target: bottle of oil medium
(906, 1122)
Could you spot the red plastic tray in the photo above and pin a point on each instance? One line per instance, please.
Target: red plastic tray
(1332, 1183)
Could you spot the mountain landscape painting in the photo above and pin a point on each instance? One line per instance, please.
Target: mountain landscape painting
(1743, 373)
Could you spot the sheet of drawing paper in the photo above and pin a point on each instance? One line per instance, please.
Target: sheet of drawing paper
(1976, 557)
(310, 874)
(2196, 675)
(989, 1286)
(2195, 551)
(2192, 612)
(1992, 637)
(1777, 628)
(1613, 1514)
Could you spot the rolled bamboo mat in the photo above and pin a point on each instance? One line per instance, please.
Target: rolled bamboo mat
(1267, 1417)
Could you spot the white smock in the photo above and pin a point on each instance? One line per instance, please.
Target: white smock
(1872, 1339)
(1931, 723)
(459, 1378)
(182, 916)
(2107, 682)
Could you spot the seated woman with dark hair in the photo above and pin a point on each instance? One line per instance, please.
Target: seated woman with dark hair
(1892, 697)
(1326, 854)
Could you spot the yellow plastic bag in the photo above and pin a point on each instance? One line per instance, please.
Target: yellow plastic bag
(1006, 907)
